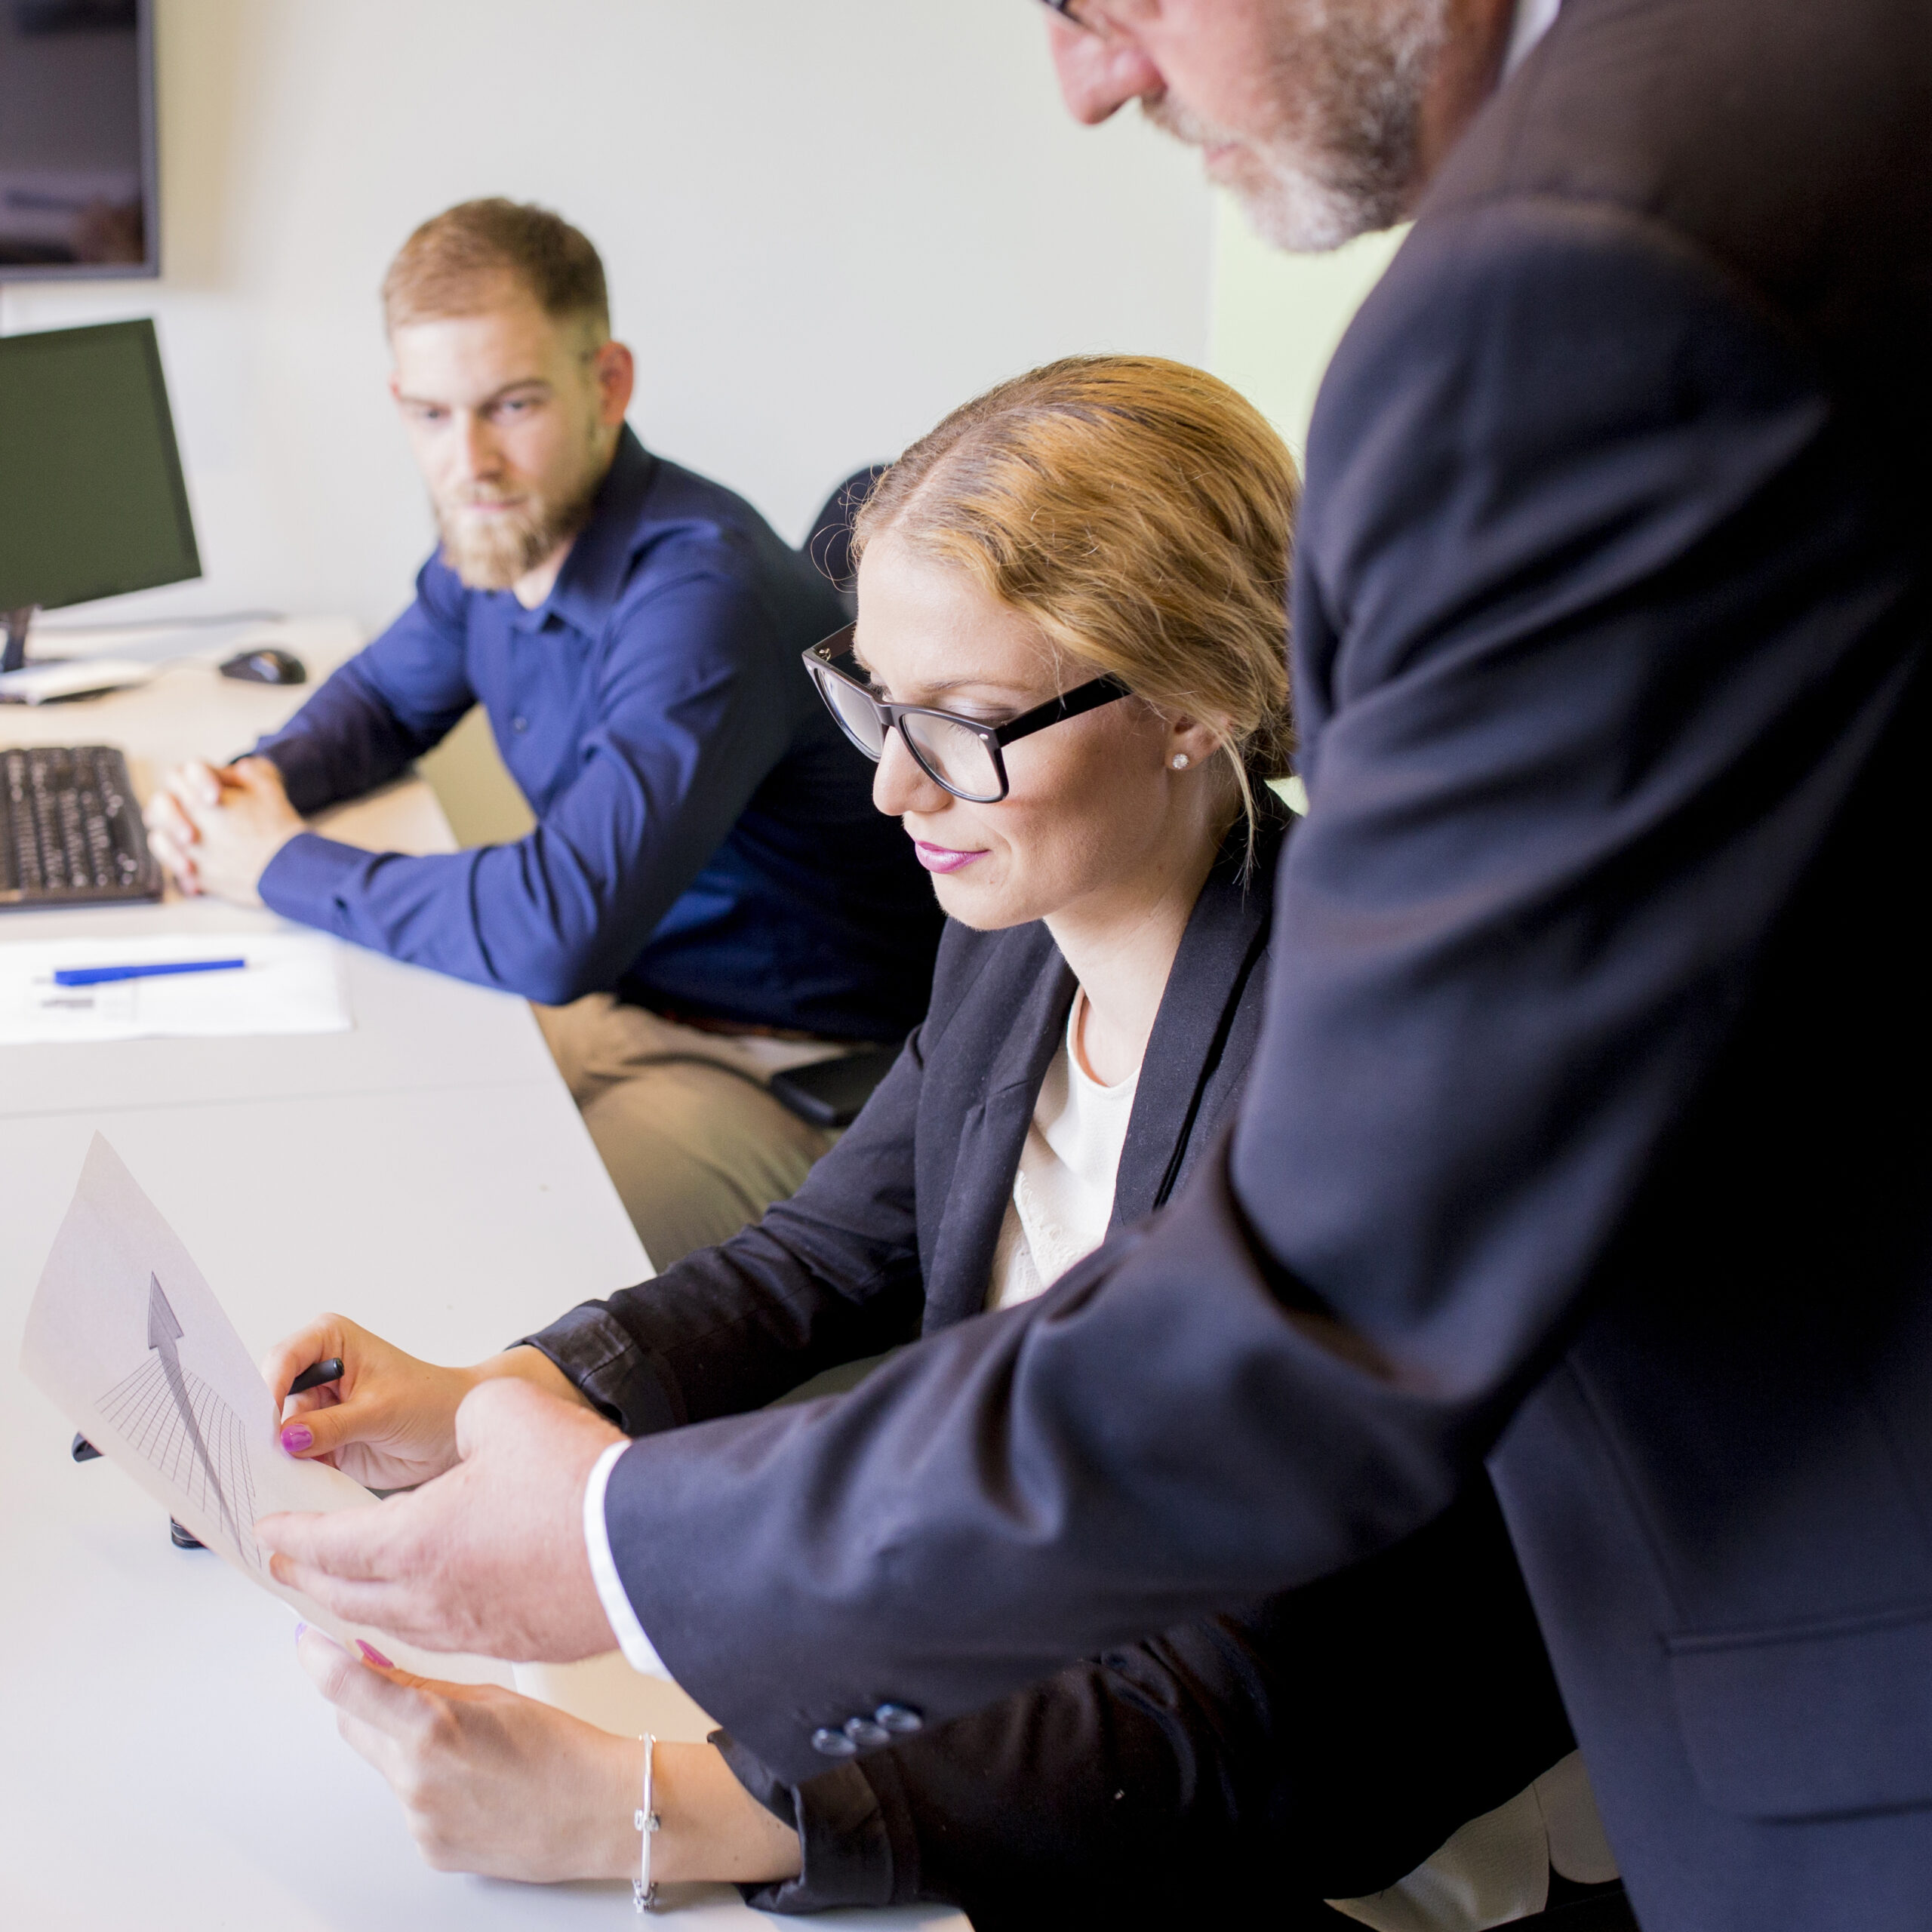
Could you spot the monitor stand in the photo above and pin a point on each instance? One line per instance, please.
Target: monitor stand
(15, 655)
(49, 679)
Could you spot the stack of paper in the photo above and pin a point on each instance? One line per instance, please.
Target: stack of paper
(292, 982)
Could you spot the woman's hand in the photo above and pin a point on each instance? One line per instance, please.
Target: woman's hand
(490, 1782)
(390, 1421)
(495, 1783)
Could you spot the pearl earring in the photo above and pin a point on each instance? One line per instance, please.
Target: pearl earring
(1180, 761)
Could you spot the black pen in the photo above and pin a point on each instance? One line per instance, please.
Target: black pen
(313, 1377)
(315, 1374)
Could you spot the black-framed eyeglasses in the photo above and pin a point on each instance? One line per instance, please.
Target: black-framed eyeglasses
(961, 754)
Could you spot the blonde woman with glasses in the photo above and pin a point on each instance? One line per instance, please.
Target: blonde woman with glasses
(1069, 665)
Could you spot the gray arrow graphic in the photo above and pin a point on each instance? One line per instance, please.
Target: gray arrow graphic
(164, 1331)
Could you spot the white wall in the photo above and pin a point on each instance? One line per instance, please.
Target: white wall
(825, 222)
(1276, 318)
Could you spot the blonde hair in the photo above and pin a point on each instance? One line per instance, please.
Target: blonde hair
(1141, 513)
(455, 263)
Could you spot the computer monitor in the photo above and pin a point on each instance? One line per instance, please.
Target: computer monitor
(92, 501)
(77, 197)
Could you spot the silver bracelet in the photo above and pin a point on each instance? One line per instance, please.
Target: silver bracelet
(643, 1889)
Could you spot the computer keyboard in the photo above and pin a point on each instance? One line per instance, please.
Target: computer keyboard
(70, 832)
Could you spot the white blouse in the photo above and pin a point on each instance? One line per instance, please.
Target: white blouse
(1063, 1188)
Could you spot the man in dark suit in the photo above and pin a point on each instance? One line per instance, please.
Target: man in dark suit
(1588, 1135)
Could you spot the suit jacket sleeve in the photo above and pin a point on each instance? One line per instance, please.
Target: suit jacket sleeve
(1320, 1744)
(831, 1275)
(1595, 632)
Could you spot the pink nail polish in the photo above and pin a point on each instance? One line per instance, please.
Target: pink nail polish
(295, 1438)
(299, 1629)
(374, 1656)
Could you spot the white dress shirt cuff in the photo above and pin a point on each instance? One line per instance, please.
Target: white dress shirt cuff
(639, 1651)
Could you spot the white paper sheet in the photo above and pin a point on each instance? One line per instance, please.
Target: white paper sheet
(293, 983)
(127, 1338)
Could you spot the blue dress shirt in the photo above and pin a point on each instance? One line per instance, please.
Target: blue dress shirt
(705, 839)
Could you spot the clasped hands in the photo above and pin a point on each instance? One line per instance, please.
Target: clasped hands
(216, 827)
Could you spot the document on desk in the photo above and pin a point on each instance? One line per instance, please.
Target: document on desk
(292, 982)
(126, 1338)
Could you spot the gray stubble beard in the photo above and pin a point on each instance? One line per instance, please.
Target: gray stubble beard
(1348, 79)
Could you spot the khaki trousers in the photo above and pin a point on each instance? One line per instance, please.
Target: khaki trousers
(695, 1145)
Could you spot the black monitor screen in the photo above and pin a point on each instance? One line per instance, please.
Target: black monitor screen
(91, 499)
(77, 186)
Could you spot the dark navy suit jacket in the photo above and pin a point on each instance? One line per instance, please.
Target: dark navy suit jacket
(705, 840)
(1589, 1132)
(1320, 1744)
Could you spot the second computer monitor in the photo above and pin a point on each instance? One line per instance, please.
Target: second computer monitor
(92, 501)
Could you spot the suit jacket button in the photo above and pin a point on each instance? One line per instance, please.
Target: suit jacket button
(833, 1744)
(866, 1736)
(900, 1719)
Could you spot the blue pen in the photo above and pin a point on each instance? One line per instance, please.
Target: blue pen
(100, 976)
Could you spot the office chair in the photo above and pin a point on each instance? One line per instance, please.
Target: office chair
(830, 1093)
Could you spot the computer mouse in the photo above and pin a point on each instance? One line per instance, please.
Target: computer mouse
(266, 665)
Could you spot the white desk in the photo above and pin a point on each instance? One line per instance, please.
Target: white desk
(163, 1762)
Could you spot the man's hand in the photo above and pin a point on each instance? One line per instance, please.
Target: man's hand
(216, 827)
(489, 1558)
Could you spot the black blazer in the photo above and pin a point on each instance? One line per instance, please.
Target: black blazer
(1318, 1745)
(894, 1232)
(1588, 1130)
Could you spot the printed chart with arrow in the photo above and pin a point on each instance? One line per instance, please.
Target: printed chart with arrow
(122, 1307)
(186, 1430)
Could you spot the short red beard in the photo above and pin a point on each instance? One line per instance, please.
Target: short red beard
(495, 554)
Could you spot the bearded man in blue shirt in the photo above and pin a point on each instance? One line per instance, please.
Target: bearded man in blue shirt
(708, 896)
